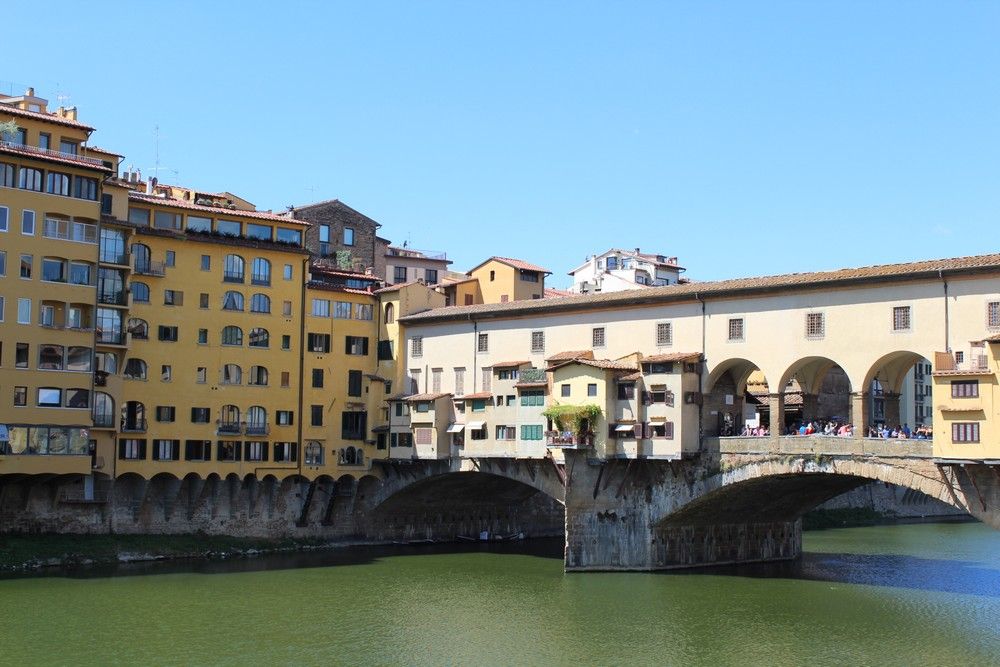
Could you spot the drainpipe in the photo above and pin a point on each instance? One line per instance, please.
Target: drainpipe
(947, 332)
(701, 378)
(302, 362)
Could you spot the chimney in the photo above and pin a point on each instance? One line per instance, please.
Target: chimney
(150, 185)
(30, 92)
(71, 113)
(637, 251)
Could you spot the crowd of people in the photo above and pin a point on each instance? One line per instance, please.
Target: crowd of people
(844, 430)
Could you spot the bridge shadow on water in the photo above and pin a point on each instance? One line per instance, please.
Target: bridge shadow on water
(884, 570)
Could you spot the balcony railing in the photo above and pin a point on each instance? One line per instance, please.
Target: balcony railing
(112, 298)
(103, 420)
(257, 429)
(111, 257)
(563, 439)
(51, 153)
(229, 428)
(420, 254)
(149, 268)
(133, 426)
(232, 276)
(111, 337)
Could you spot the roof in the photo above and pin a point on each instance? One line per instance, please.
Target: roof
(142, 197)
(993, 339)
(401, 396)
(425, 397)
(631, 376)
(572, 354)
(398, 286)
(319, 268)
(670, 356)
(457, 281)
(553, 293)
(653, 258)
(338, 203)
(530, 385)
(48, 117)
(605, 364)
(478, 395)
(98, 149)
(54, 156)
(508, 364)
(923, 270)
(327, 287)
(510, 261)
(962, 371)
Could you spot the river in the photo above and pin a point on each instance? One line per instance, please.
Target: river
(926, 594)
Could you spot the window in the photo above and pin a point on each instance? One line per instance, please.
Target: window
(564, 390)
(286, 452)
(531, 432)
(139, 216)
(478, 434)
(53, 270)
(232, 301)
(77, 398)
(815, 325)
(430, 276)
(285, 418)
(417, 346)
(342, 310)
(317, 378)
(166, 220)
(592, 389)
(24, 311)
(537, 341)
(965, 432)
(6, 181)
(171, 258)
(79, 359)
(166, 373)
(736, 329)
(26, 262)
(203, 336)
(201, 375)
(21, 355)
(348, 236)
(30, 179)
(79, 273)
(260, 232)
(68, 147)
(47, 315)
(20, 396)
(3, 263)
(479, 405)
(165, 413)
(661, 430)
(201, 415)
(261, 271)
(459, 381)
(49, 397)
(399, 274)
(256, 420)
(318, 342)
(626, 391)
(288, 272)
(231, 374)
(166, 333)
(324, 233)
(260, 303)
(285, 379)
(233, 269)
(353, 425)
(57, 184)
(993, 315)
(532, 398)
(436, 380)
(354, 383)
(140, 292)
(483, 343)
(2, 303)
(259, 337)
(258, 376)
(314, 453)
(135, 369)
(232, 336)
(316, 415)
(321, 308)
(965, 389)
(206, 262)
(901, 318)
(228, 450)
(85, 188)
(597, 337)
(664, 334)
(255, 451)
(356, 345)
(129, 449)
(505, 433)
(198, 450)
(362, 311)
(959, 357)
(197, 223)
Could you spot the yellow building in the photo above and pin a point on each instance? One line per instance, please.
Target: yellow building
(501, 279)
(967, 403)
(50, 207)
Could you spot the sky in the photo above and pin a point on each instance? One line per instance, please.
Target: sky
(744, 138)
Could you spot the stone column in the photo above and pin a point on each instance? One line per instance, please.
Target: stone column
(860, 400)
(891, 409)
(810, 406)
(776, 403)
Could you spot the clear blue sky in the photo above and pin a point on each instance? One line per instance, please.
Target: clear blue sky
(744, 138)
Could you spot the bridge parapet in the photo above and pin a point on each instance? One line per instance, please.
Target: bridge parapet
(822, 445)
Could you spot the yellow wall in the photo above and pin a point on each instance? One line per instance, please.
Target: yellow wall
(983, 410)
(506, 281)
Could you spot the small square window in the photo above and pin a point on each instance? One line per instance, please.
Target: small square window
(538, 341)
(171, 258)
(736, 332)
(901, 320)
(203, 301)
(286, 342)
(564, 390)
(288, 272)
(206, 262)
(815, 325)
(597, 337)
(664, 334)
(203, 336)
(592, 389)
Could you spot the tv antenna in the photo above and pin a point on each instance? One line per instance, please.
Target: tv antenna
(156, 152)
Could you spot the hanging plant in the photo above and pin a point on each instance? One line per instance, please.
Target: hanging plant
(572, 417)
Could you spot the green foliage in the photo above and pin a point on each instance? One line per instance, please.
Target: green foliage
(571, 417)
(344, 259)
(8, 129)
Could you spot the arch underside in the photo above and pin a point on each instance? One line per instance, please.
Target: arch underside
(455, 489)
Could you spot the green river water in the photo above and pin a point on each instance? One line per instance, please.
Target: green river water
(925, 594)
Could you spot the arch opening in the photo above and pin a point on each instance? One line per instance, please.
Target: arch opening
(897, 398)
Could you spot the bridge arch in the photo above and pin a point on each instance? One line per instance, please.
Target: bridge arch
(782, 489)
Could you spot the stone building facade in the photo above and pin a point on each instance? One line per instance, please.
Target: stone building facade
(343, 237)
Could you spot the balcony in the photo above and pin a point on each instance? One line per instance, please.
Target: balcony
(149, 268)
(232, 277)
(112, 298)
(229, 428)
(109, 337)
(115, 258)
(418, 254)
(567, 440)
(48, 152)
(257, 429)
(134, 426)
(103, 420)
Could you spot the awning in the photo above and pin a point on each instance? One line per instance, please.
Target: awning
(624, 428)
(456, 428)
(475, 426)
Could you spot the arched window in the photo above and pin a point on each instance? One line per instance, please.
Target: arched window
(232, 301)
(139, 328)
(314, 453)
(232, 374)
(133, 416)
(390, 313)
(259, 337)
(258, 376)
(234, 269)
(135, 369)
(260, 303)
(232, 336)
(261, 272)
(256, 420)
(140, 292)
(103, 411)
(141, 257)
(349, 456)
(229, 419)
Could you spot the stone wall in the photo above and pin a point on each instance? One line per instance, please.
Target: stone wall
(338, 215)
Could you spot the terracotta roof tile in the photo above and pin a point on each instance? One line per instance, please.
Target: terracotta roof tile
(215, 210)
(425, 397)
(396, 286)
(401, 396)
(572, 354)
(553, 293)
(631, 377)
(531, 385)
(53, 156)
(507, 364)
(671, 356)
(48, 117)
(606, 364)
(477, 395)
(511, 261)
(689, 292)
(993, 339)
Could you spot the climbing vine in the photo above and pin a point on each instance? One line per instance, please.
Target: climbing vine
(571, 417)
